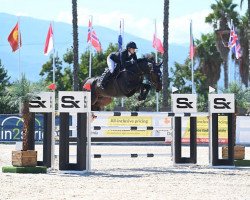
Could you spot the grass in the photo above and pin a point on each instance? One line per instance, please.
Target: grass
(242, 163)
(25, 170)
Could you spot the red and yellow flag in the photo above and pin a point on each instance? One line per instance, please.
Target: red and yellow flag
(13, 38)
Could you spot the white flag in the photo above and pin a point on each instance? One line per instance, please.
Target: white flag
(211, 89)
(174, 89)
(49, 41)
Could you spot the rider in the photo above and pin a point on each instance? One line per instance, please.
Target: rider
(120, 60)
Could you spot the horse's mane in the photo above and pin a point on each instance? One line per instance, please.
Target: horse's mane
(149, 57)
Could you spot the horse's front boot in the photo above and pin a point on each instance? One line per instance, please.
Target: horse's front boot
(141, 97)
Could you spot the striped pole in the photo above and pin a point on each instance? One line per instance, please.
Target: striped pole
(132, 155)
(150, 114)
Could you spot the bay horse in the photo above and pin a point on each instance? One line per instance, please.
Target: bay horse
(125, 83)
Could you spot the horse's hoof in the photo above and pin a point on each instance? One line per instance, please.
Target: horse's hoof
(93, 116)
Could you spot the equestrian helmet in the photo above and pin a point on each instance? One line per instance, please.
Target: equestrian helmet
(131, 45)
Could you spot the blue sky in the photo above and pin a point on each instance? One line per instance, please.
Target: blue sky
(138, 15)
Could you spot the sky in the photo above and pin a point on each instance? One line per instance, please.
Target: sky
(138, 15)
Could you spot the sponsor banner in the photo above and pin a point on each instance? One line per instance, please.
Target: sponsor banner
(243, 130)
(202, 129)
(130, 121)
(11, 128)
(138, 121)
(122, 133)
(205, 140)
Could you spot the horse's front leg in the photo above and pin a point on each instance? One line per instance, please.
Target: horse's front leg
(144, 91)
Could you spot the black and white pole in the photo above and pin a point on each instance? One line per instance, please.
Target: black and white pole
(184, 103)
(79, 103)
(221, 104)
(44, 103)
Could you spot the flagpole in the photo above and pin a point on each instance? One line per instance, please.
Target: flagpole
(192, 63)
(90, 48)
(230, 54)
(19, 49)
(53, 39)
(192, 58)
(156, 60)
(19, 58)
(53, 105)
(122, 33)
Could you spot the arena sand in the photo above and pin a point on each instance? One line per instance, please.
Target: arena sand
(128, 178)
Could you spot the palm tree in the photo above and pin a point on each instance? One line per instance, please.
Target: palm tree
(248, 38)
(208, 58)
(23, 91)
(75, 46)
(244, 43)
(223, 12)
(165, 56)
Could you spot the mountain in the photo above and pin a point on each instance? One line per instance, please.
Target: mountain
(33, 34)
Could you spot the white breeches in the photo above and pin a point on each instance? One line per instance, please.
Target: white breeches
(111, 64)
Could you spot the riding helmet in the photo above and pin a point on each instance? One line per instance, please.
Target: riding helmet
(131, 45)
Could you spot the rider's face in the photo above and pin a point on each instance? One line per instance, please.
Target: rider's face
(131, 50)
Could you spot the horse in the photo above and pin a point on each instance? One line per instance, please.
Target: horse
(125, 83)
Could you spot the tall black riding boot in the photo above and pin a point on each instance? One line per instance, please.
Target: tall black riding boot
(105, 79)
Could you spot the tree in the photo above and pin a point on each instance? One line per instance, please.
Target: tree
(99, 62)
(223, 12)
(208, 58)
(63, 80)
(75, 46)
(248, 32)
(182, 80)
(244, 42)
(4, 80)
(67, 75)
(165, 77)
(24, 91)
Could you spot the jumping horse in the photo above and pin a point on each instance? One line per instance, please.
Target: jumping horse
(125, 83)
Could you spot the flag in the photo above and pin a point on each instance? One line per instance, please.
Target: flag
(93, 39)
(13, 38)
(52, 86)
(211, 89)
(191, 47)
(49, 41)
(157, 44)
(120, 38)
(234, 44)
(87, 87)
(89, 31)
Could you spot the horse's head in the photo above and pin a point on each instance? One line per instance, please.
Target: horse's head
(156, 76)
(148, 66)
